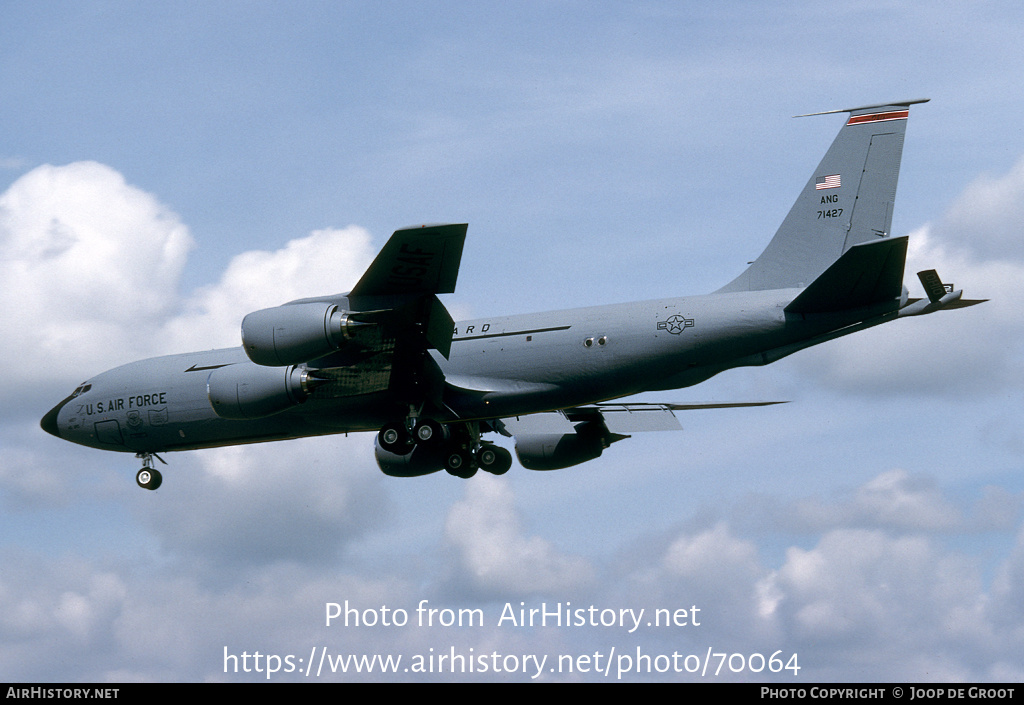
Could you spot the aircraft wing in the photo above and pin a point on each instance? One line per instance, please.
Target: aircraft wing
(625, 418)
(561, 439)
(398, 317)
(400, 286)
(375, 338)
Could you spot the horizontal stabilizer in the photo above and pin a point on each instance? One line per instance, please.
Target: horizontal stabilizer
(867, 274)
(963, 303)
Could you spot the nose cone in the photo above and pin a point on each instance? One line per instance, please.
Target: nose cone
(49, 421)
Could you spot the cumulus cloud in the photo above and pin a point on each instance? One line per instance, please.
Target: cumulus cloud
(896, 500)
(92, 265)
(327, 261)
(986, 218)
(871, 602)
(495, 557)
(710, 556)
(710, 568)
(61, 612)
(881, 596)
(1009, 587)
(872, 597)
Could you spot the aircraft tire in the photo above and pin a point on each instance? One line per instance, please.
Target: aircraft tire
(149, 479)
(395, 439)
(494, 460)
(429, 431)
(459, 464)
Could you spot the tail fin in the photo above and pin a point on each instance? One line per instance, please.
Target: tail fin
(847, 201)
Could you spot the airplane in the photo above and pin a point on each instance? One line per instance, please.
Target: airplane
(387, 357)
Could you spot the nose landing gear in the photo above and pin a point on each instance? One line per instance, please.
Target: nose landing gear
(149, 478)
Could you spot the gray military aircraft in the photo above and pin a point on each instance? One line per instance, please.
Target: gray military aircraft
(387, 357)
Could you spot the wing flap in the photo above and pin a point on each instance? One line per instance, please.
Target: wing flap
(630, 418)
(553, 422)
(627, 418)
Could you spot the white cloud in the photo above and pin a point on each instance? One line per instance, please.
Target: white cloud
(714, 570)
(327, 261)
(887, 605)
(986, 218)
(711, 557)
(61, 612)
(493, 555)
(896, 500)
(881, 597)
(90, 266)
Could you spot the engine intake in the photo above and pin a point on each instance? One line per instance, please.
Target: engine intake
(294, 333)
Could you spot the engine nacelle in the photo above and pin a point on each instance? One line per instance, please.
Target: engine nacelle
(294, 333)
(245, 391)
(556, 451)
(423, 459)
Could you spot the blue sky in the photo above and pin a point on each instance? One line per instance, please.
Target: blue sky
(165, 169)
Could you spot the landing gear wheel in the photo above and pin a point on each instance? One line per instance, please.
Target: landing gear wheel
(494, 460)
(395, 439)
(460, 464)
(148, 478)
(428, 431)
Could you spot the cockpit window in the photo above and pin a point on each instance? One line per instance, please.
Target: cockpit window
(82, 389)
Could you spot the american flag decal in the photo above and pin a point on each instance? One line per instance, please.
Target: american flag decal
(833, 181)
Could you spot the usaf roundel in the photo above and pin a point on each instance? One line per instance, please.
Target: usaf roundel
(675, 324)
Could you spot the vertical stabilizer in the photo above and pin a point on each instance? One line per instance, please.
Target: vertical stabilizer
(847, 201)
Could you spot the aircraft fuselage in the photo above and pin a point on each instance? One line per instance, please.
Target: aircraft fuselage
(498, 367)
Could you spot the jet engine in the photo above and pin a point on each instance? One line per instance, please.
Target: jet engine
(246, 391)
(294, 333)
(423, 459)
(557, 451)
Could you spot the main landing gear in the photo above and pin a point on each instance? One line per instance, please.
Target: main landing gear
(149, 478)
(461, 450)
